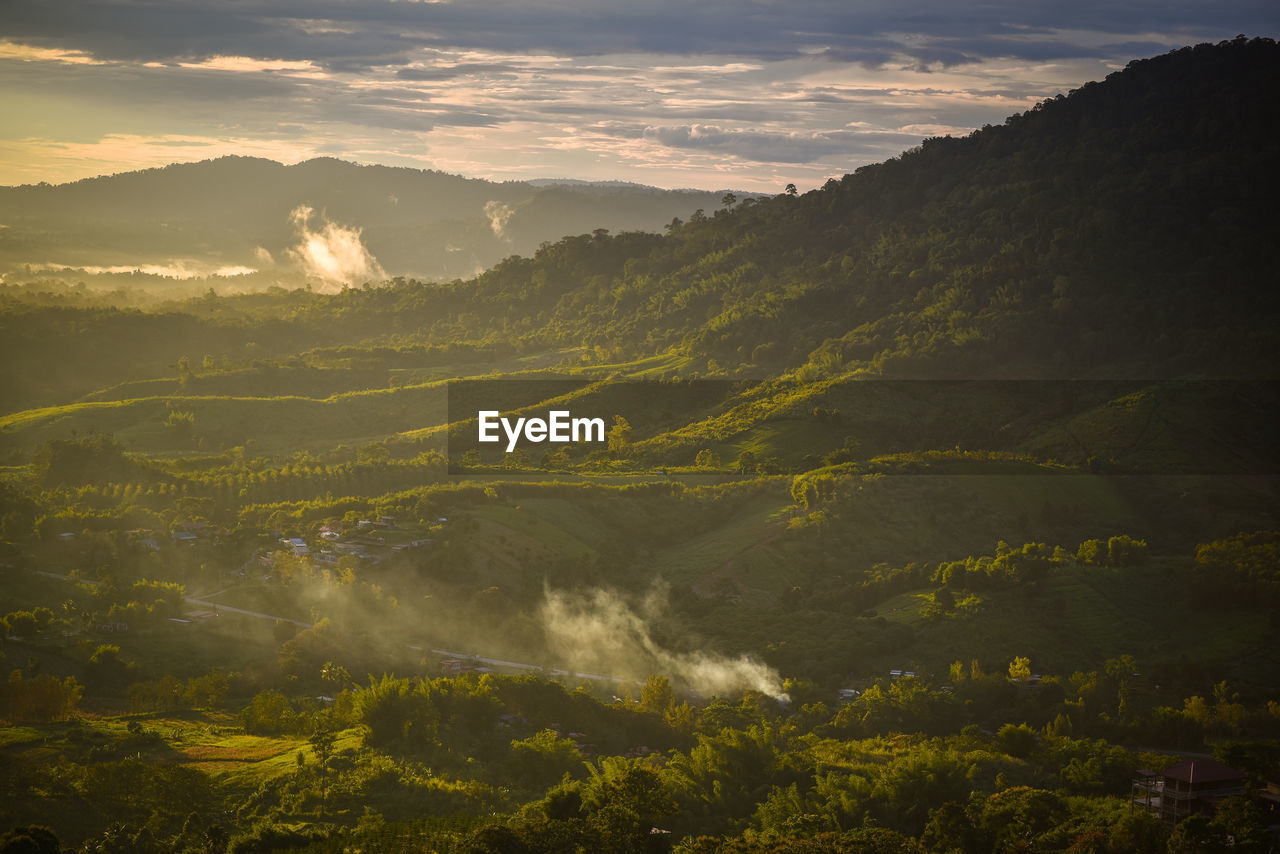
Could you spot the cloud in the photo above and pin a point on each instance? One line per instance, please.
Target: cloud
(346, 36)
(452, 72)
(766, 146)
(332, 252)
(722, 92)
(600, 632)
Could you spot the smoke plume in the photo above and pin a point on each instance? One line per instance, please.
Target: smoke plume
(598, 631)
(498, 215)
(331, 252)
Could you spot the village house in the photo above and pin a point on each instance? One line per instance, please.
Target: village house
(1193, 786)
(297, 545)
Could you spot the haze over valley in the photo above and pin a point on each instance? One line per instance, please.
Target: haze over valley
(930, 499)
(255, 223)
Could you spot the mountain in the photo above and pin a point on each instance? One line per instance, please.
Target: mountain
(228, 212)
(967, 457)
(1125, 227)
(1123, 230)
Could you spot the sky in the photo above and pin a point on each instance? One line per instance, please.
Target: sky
(736, 94)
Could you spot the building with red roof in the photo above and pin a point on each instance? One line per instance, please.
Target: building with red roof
(1189, 787)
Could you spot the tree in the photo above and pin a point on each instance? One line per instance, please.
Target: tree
(791, 190)
(394, 709)
(1126, 551)
(267, 838)
(1241, 824)
(321, 742)
(543, 759)
(728, 200)
(1193, 836)
(951, 830)
(707, 459)
(1020, 669)
(209, 690)
(619, 436)
(160, 695)
(912, 784)
(30, 839)
(1139, 832)
(1245, 558)
(1092, 553)
(42, 698)
(1017, 741)
(106, 669)
(624, 802)
(335, 674)
(20, 624)
(656, 696)
(1016, 816)
(269, 713)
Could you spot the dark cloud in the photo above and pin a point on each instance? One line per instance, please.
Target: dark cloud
(149, 86)
(949, 52)
(155, 97)
(752, 81)
(348, 35)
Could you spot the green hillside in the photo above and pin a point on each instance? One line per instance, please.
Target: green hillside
(1001, 406)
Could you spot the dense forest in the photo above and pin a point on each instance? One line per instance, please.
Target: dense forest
(937, 506)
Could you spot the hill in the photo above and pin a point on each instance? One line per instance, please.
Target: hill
(1118, 229)
(940, 498)
(235, 214)
(1118, 232)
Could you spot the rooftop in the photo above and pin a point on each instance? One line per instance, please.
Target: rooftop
(1201, 771)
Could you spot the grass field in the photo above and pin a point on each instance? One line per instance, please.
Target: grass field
(706, 557)
(1083, 615)
(209, 741)
(559, 524)
(273, 423)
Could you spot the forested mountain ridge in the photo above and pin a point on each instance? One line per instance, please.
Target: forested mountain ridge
(1119, 231)
(228, 212)
(1122, 227)
(799, 601)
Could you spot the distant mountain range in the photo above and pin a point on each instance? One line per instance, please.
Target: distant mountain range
(238, 213)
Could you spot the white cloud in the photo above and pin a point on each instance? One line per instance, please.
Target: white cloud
(331, 252)
(498, 215)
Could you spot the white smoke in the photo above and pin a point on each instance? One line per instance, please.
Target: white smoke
(331, 252)
(498, 215)
(598, 631)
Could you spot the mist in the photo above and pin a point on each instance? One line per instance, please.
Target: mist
(498, 214)
(599, 631)
(332, 252)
